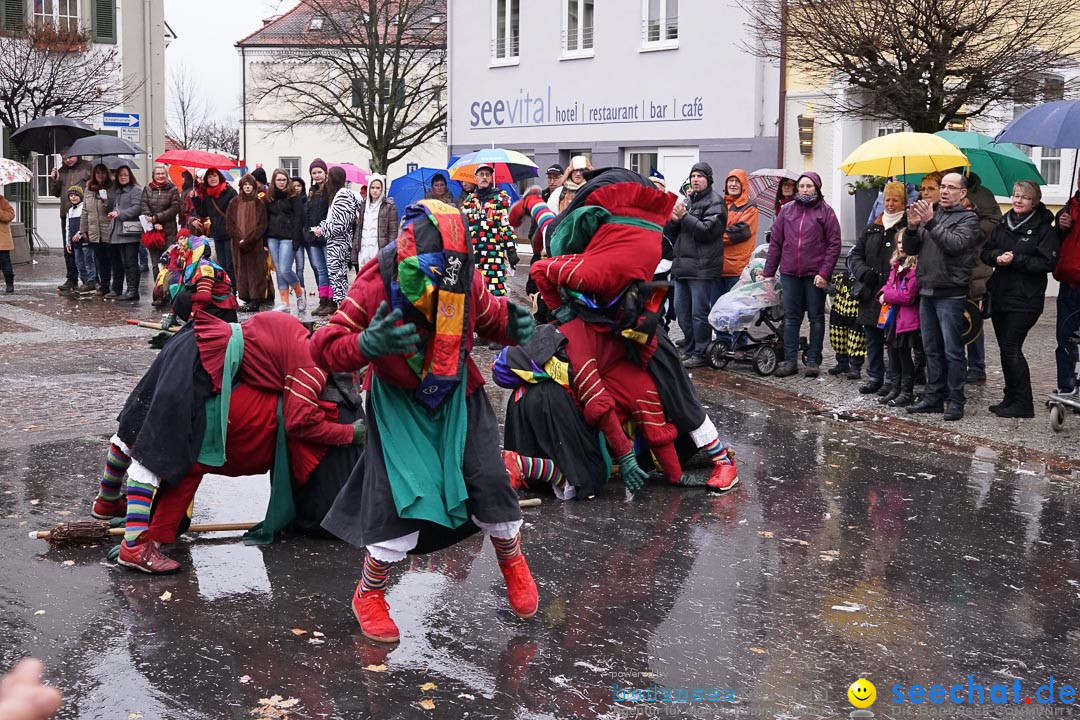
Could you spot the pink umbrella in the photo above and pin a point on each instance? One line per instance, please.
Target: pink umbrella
(763, 186)
(353, 173)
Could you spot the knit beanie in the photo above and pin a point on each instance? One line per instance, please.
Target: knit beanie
(318, 163)
(76, 190)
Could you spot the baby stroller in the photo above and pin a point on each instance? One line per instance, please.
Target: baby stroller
(1060, 402)
(749, 319)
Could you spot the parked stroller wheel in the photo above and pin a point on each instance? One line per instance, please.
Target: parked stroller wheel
(765, 360)
(718, 354)
(1057, 418)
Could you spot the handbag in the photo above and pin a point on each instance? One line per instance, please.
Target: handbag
(154, 240)
(130, 227)
(887, 316)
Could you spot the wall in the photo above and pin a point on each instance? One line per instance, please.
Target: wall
(142, 41)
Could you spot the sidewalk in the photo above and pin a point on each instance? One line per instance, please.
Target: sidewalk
(840, 397)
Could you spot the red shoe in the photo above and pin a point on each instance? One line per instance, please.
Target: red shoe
(517, 478)
(109, 509)
(520, 587)
(373, 613)
(147, 558)
(723, 478)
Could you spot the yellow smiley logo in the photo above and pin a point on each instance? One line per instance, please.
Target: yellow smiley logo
(862, 693)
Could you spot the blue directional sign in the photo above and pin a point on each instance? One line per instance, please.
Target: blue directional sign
(120, 119)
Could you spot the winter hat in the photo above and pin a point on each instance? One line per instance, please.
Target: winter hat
(318, 163)
(183, 233)
(76, 190)
(260, 175)
(657, 178)
(705, 169)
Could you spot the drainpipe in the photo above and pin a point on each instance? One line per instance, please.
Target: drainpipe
(148, 64)
(780, 128)
(243, 104)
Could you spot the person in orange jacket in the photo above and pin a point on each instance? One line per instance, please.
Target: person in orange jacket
(742, 224)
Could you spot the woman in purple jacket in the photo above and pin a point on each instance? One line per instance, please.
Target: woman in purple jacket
(804, 248)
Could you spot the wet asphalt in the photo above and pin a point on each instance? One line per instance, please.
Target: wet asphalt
(844, 553)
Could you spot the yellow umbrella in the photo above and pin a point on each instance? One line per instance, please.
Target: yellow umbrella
(902, 153)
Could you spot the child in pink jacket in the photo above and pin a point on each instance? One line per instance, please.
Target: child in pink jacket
(902, 332)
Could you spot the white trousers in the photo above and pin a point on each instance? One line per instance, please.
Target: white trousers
(395, 549)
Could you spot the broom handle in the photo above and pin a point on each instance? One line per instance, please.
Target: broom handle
(226, 527)
(151, 326)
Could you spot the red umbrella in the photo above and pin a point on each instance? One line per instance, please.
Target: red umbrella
(197, 159)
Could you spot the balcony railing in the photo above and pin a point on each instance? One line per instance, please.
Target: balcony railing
(660, 29)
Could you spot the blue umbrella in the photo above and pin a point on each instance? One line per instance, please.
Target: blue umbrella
(1053, 125)
(412, 186)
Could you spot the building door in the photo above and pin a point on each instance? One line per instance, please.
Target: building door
(675, 163)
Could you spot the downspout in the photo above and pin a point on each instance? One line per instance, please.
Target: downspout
(780, 129)
(243, 104)
(148, 64)
(449, 79)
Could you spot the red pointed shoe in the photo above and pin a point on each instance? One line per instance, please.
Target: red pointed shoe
(723, 478)
(517, 478)
(148, 558)
(520, 587)
(109, 509)
(373, 613)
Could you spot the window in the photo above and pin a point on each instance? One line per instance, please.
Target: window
(61, 14)
(577, 28)
(13, 15)
(660, 24)
(395, 97)
(103, 21)
(359, 93)
(316, 23)
(43, 167)
(1050, 165)
(290, 165)
(642, 161)
(506, 34)
(883, 131)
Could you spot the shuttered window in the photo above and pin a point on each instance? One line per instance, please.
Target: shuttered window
(103, 19)
(13, 15)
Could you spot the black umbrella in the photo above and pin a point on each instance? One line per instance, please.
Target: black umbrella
(100, 145)
(49, 134)
(115, 163)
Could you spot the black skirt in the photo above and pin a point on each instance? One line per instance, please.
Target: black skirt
(546, 423)
(364, 512)
(164, 420)
(677, 393)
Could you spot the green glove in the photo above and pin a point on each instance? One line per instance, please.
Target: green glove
(632, 474)
(385, 337)
(359, 432)
(520, 324)
(169, 321)
(112, 553)
(564, 314)
(158, 341)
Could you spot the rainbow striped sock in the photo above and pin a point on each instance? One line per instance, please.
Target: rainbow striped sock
(140, 497)
(506, 550)
(116, 464)
(717, 452)
(540, 469)
(541, 212)
(374, 576)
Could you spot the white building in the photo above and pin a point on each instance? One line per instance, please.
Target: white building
(262, 140)
(632, 83)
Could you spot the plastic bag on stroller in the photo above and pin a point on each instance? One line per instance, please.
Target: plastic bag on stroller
(739, 307)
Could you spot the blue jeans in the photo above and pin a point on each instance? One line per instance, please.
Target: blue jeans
(802, 298)
(1068, 322)
(316, 255)
(693, 301)
(298, 263)
(942, 321)
(281, 251)
(84, 261)
(875, 355)
(976, 355)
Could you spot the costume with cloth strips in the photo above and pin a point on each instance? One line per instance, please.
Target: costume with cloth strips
(612, 227)
(430, 473)
(177, 414)
(487, 212)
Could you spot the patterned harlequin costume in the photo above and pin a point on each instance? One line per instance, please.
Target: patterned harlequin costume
(846, 335)
(189, 270)
(431, 473)
(487, 211)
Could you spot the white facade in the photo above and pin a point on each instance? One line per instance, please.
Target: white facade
(630, 82)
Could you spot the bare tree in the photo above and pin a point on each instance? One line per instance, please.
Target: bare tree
(222, 137)
(925, 62)
(374, 68)
(45, 72)
(188, 109)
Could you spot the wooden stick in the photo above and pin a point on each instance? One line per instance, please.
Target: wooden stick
(530, 502)
(212, 527)
(152, 326)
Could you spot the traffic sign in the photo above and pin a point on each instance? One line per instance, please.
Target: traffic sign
(120, 119)
(131, 134)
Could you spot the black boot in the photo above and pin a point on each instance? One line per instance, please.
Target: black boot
(854, 371)
(131, 294)
(905, 394)
(870, 387)
(841, 366)
(9, 283)
(892, 395)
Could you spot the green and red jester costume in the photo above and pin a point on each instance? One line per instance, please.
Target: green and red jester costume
(432, 472)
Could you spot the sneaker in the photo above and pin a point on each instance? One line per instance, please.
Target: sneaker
(373, 613)
(68, 286)
(694, 361)
(520, 587)
(281, 307)
(811, 370)
(112, 295)
(109, 509)
(785, 369)
(517, 479)
(723, 478)
(148, 558)
(301, 303)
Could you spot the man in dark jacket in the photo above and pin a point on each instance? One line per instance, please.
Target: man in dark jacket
(74, 171)
(698, 266)
(945, 241)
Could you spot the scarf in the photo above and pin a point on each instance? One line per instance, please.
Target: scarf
(214, 192)
(428, 276)
(162, 186)
(890, 219)
(485, 194)
(807, 199)
(1015, 222)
